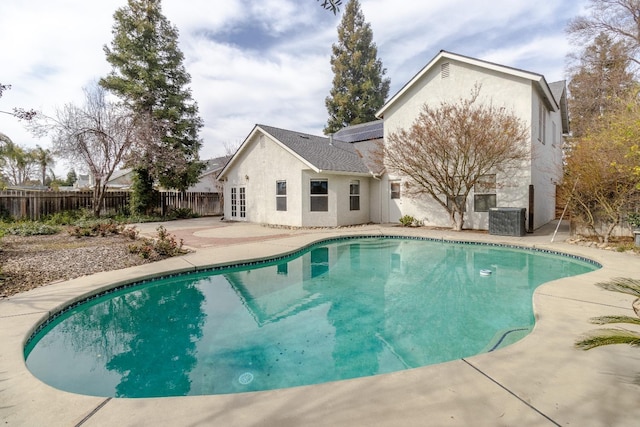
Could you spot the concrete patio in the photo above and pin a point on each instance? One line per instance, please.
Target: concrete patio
(540, 380)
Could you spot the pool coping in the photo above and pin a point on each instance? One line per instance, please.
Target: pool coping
(540, 380)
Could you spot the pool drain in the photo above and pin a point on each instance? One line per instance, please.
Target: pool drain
(245, 378)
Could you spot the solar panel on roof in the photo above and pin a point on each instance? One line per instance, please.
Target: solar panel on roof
(363, 132)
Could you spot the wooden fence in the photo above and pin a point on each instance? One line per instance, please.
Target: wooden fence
(33, 205)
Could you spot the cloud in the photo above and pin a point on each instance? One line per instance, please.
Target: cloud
(265, 61)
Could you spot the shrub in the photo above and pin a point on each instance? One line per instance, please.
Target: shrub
(96, 228)
(165, 245)
(182, 213)
(407, 220)
(30, 228)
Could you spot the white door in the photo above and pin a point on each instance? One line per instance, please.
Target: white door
(238, 203)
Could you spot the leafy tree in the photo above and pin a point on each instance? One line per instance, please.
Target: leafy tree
(619, 19)
(332, 5)
(600, 171)
(450, 148)
(18, 164)
(359, 89)
(72, 177)
(600, 79)
(143, 195)
(149, 76)
(44, 159)
(609, 336)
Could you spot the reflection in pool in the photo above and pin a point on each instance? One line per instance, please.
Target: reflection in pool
(341, 309)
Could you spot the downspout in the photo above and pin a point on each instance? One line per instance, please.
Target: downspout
(379, 179)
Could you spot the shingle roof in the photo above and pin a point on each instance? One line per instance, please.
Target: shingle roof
(321, 152)
(559, 92)
(557, 88)
(362, 132)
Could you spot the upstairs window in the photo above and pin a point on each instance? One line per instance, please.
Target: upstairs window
(542, 122)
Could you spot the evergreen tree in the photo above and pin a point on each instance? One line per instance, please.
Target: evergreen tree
(149, 76)
(71, 178)
(359, 88)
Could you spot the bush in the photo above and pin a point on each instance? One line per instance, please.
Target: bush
(96, 228)
(407, 220)
(165, 245)
(182, 213)
(30, 228)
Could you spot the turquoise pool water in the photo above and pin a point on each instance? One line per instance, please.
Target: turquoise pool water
(342, 309)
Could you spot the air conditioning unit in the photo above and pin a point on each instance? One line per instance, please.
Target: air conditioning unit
(507, 221)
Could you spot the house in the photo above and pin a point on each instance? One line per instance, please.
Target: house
(290, 178)
(122, 179)
(208, 178)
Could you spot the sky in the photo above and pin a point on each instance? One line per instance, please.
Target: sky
(265, 61)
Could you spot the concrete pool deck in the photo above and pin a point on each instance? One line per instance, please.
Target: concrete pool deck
(540, 380)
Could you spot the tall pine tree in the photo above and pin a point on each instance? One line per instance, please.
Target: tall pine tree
(359, 88)
(149, 76)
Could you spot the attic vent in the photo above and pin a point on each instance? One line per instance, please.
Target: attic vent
(444, 70)
(303, 136)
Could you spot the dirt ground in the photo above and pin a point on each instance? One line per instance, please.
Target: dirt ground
(28, 262)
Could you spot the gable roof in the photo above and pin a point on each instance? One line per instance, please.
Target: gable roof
(535, 77)
(214, 165)
(321, 154)
(559, 91)
(362, 132)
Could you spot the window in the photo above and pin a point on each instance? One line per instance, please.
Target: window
(281, 195)
(354, 195)
(234, 201)
(319, 195)
(395, 190)
(460, 200)
(554, 139)
(484, 197)
(542, 122)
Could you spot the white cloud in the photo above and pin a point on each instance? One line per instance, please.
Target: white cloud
(51, 49)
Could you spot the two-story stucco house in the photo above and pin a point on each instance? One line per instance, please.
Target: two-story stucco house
(288, 178)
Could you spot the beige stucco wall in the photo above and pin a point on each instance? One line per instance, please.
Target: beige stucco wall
(262, 161)
(518, 94)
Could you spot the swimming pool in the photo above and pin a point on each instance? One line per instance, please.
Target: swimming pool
(339, 309)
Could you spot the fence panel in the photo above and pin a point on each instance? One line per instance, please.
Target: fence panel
(34, 205)
(202, 204)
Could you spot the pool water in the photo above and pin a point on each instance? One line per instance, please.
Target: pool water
(343, 309)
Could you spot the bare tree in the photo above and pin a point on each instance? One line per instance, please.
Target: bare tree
(449, 149)
(619, 19)
(20, 113)
(98, 135)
